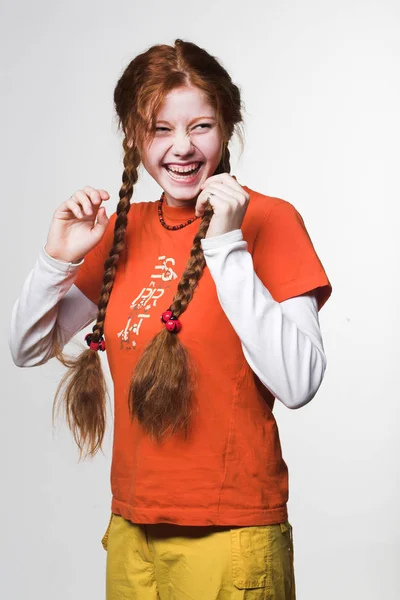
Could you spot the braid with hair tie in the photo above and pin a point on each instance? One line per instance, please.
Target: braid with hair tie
(153, 388)
(129, 178)
(196, 263)
(84, 385)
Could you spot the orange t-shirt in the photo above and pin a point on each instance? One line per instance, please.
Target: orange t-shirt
(230, 471)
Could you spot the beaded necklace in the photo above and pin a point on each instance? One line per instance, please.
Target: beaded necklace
(171, 227)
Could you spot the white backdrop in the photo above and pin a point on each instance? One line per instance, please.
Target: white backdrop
(320, 83)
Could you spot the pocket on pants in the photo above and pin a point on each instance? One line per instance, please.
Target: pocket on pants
(104, 539)
(287, 533)
(250, 559)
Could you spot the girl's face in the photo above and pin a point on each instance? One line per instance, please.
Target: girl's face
(186, 139)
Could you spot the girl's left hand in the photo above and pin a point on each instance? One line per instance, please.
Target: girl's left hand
(229, 202)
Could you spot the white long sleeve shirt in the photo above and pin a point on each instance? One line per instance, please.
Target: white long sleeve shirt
(281, 341)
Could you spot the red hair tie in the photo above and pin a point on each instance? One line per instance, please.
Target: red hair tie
(100, 345)
(172, 323)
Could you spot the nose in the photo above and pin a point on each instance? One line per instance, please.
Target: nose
(182, 144)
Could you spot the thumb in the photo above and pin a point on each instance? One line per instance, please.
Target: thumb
(101, 223)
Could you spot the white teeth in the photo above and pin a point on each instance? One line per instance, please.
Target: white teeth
(187, 169)
(182, 176)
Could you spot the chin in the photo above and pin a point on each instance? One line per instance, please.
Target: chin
(182, 194)
(181, 191)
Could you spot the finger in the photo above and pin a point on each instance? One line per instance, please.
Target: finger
(96, 196)
(101, 223)
(222, 191)
(74, 207)
(225, 194)
(221, 206)
(85, 203)
(223, 178)
(218, 194)
(104, 194)
(239, 195)
(101, 194)
(102, 215)
(93, 194)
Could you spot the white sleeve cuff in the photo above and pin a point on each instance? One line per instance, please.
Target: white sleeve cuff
(60, 265)
(222, 240)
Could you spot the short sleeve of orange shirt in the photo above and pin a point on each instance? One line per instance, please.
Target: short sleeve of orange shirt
(284, 256)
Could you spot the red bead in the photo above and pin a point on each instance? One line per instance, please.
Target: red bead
(170, 325)
(173, 326)
(100, 345)
(166, 315)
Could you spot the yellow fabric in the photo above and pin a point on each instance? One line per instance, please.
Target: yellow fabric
(163, 561)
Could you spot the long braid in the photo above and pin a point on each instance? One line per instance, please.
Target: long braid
(82, 390)
(129, 178)
(196, 262)
(161, 390)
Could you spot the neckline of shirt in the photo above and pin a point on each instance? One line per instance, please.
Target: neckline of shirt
(178, 213)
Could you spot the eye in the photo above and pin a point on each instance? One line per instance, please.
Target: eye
(162, 129)
(208, 125)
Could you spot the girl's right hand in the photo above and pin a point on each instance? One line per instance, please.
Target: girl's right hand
(74, 231)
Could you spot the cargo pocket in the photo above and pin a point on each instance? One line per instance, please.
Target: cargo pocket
(287, 532)
(250, 559)
(104, 539)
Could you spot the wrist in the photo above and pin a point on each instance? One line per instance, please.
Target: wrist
(61, 258)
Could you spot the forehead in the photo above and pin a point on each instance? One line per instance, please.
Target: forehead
(185, 103)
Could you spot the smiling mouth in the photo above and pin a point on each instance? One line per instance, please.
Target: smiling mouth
(180, 174)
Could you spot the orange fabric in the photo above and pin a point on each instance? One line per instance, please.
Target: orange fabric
(231, 470)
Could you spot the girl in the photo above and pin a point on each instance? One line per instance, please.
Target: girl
(206, 302)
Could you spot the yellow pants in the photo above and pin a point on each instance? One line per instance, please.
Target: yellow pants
(174, 562)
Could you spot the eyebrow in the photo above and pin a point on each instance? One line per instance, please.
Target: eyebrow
(192, 121)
